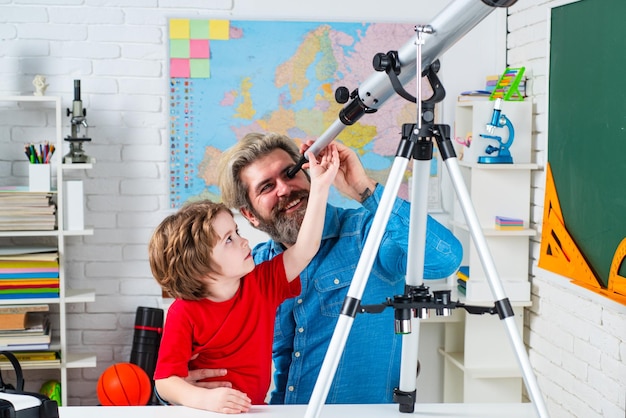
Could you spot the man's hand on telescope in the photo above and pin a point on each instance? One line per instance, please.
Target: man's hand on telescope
(351, 180)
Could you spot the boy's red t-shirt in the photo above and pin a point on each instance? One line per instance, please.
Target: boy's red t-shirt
(235, 335)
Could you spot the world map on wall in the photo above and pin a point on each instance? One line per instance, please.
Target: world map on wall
(229, 78)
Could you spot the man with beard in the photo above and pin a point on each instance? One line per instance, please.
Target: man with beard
(254, 180)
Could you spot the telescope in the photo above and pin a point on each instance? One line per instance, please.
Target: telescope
(417, 56)
(449, 26)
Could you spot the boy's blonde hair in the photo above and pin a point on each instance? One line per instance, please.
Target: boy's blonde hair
(180, 249)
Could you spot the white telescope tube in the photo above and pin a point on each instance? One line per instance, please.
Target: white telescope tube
(450, 25)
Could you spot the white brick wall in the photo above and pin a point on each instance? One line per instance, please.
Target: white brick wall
(576, 340)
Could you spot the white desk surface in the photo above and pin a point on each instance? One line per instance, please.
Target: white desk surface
(442, 410)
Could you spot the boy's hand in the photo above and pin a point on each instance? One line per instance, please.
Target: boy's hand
(179, 391)
(352, 179)
(223, 400)
(324, 169)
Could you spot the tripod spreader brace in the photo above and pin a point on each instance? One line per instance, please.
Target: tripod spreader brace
(418, 302)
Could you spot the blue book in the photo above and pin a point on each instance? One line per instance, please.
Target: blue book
(45, 275)
(28, 295)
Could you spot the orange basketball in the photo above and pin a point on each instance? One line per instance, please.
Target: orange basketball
(124, 384)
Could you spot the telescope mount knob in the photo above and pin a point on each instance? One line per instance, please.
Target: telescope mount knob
(342, 94)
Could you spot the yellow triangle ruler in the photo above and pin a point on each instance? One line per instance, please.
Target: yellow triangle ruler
(560, 254)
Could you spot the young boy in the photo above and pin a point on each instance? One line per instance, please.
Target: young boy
(223, 316)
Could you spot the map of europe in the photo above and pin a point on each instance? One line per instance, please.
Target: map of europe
(229, 78)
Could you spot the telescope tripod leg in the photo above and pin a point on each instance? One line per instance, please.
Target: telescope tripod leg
(503, 305)
(359, 281)
(406, 394)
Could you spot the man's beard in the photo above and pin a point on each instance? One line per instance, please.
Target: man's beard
(280, 226)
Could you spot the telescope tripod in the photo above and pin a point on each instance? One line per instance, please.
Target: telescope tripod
(416, 143)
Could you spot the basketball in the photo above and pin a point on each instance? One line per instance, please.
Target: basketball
(124, 384)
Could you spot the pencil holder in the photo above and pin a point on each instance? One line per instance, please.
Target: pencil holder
(39, 177)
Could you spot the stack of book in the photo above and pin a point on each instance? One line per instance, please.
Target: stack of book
(23, 210)
(24, 327)
(29, 273)
(509, 224)
(462, 277)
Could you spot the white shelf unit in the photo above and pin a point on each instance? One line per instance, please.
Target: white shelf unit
(51, 105)
(479, 363)
(504, 190)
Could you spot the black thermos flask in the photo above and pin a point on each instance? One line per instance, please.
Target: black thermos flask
(147, 339)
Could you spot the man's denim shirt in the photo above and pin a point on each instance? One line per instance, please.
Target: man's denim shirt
(369, 369)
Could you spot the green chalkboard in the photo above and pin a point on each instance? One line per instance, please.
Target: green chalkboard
(587, 125)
